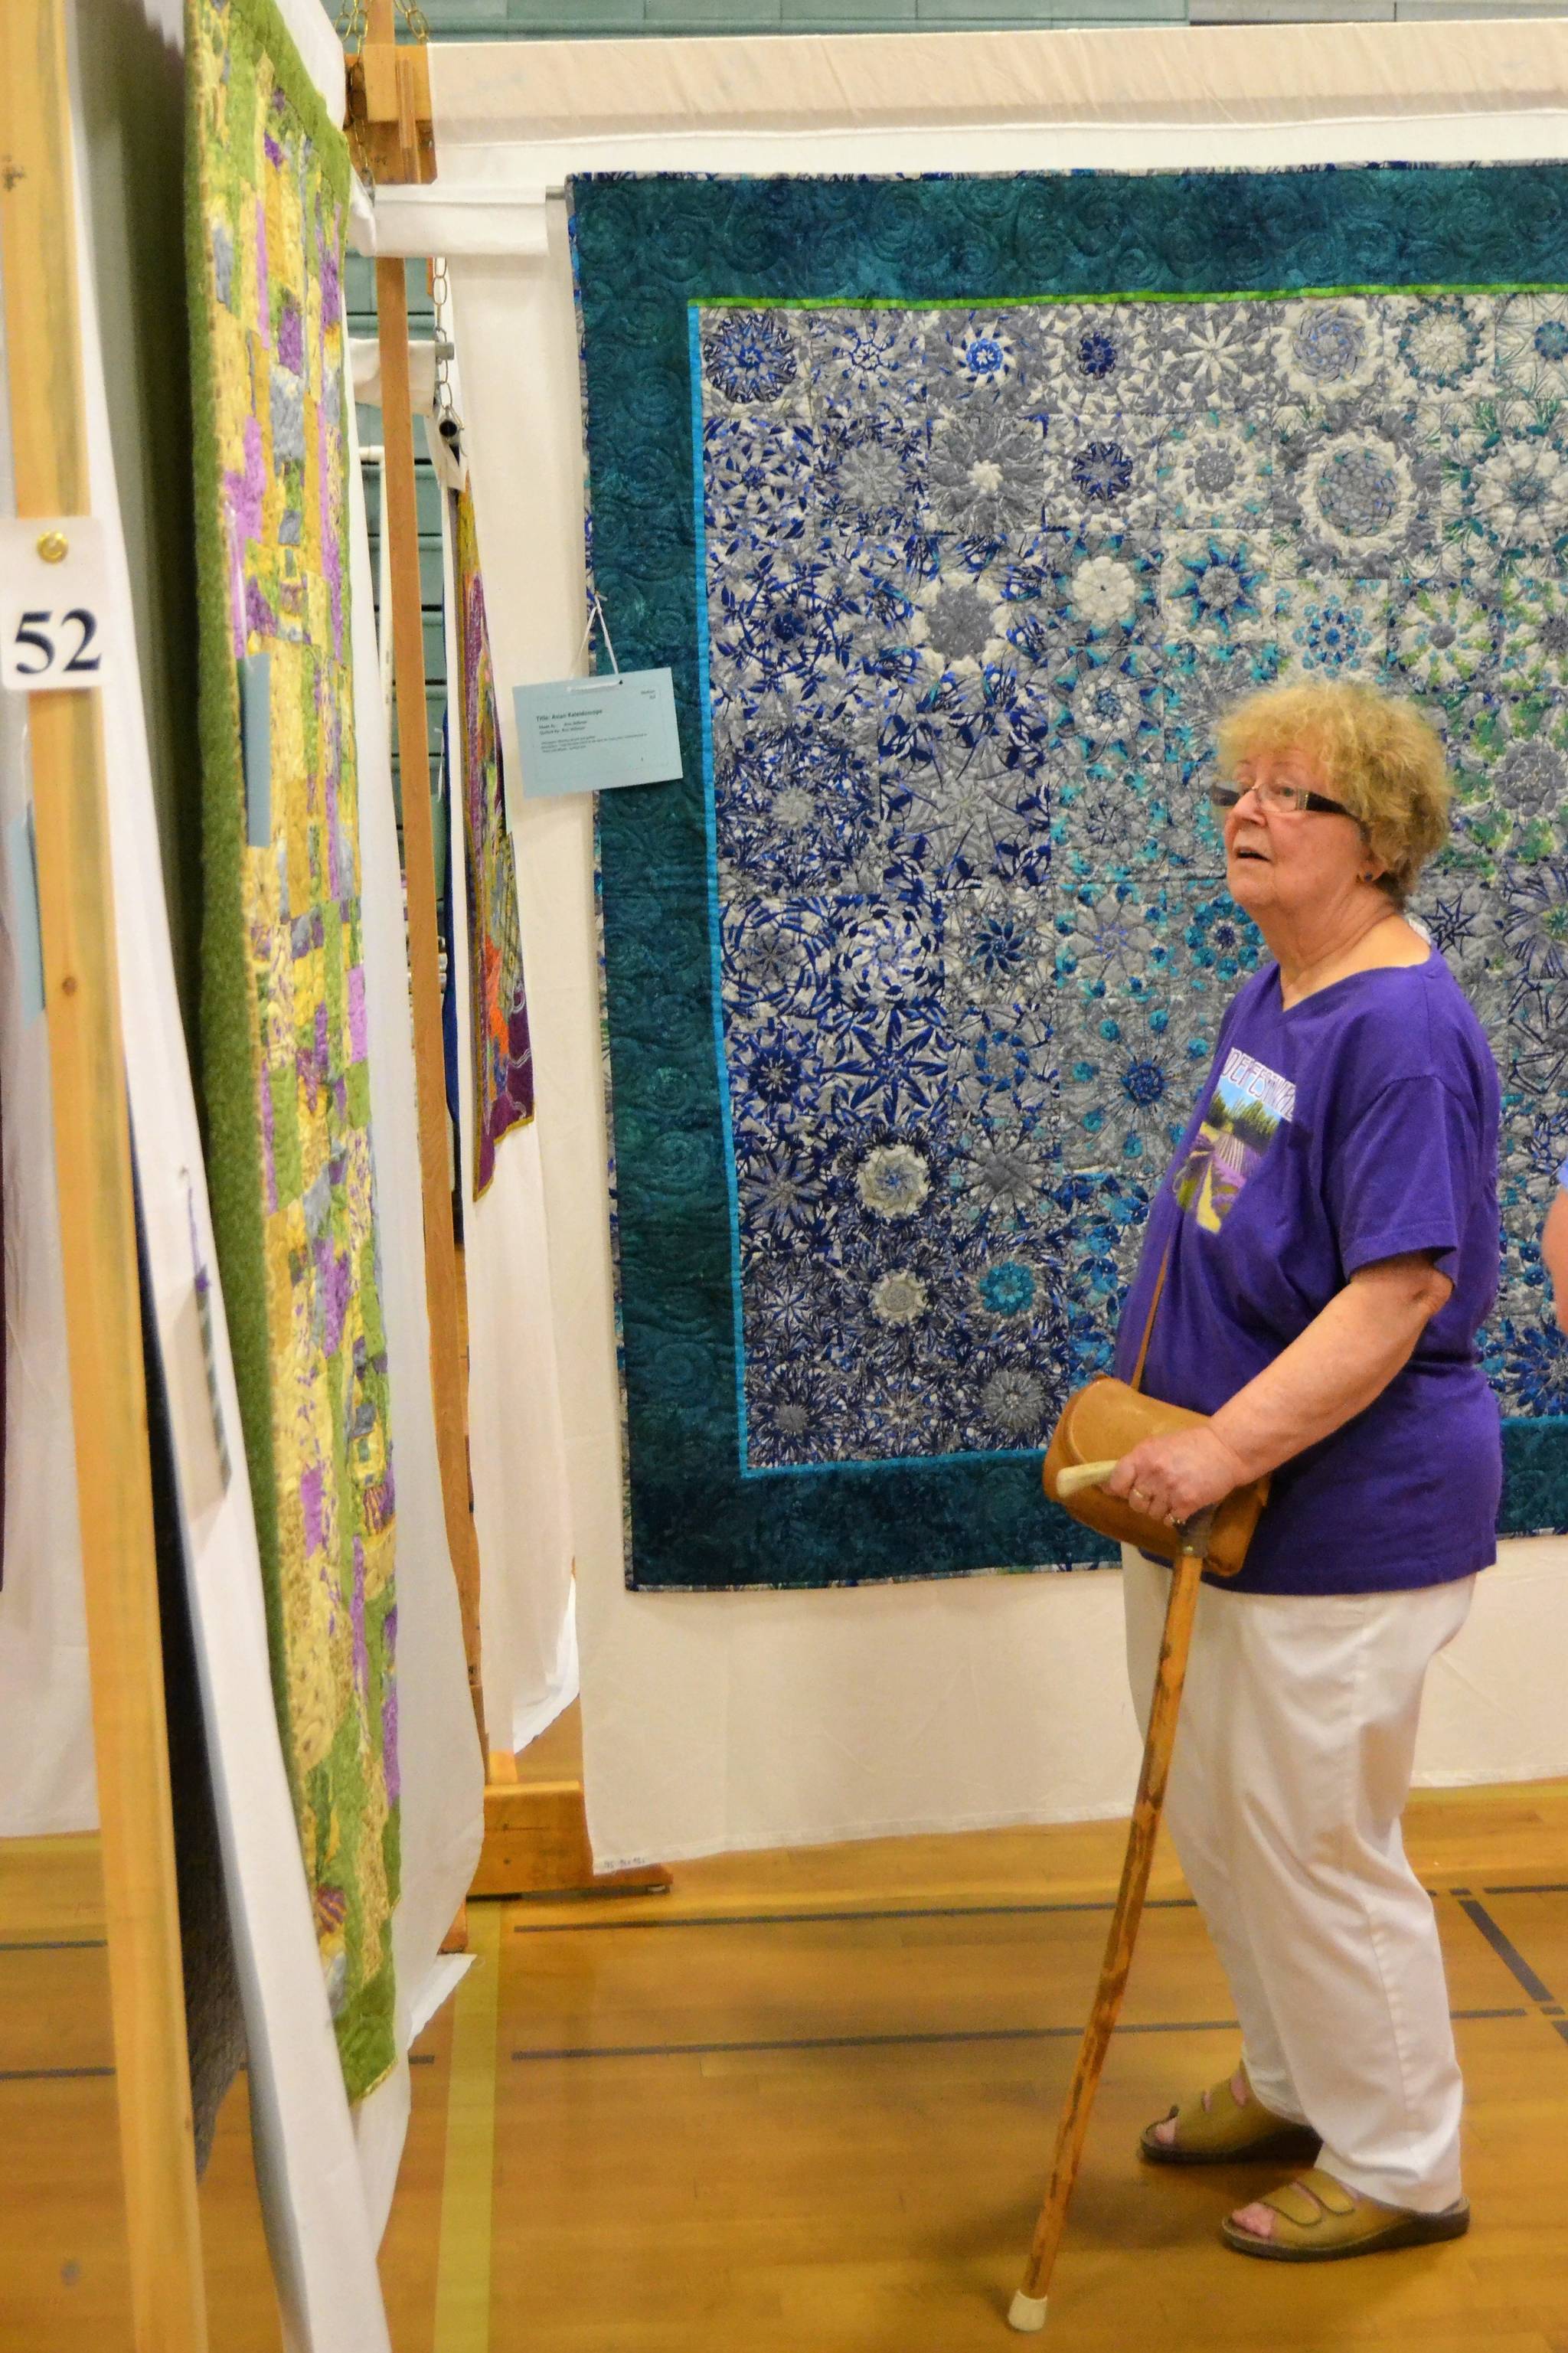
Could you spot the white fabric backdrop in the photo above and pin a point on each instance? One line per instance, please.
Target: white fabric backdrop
(439, 1765)
(752, 1720)
(45, 1735)
(516, 1450)
(517, 1445)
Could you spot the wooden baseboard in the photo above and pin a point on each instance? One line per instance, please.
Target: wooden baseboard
(536, 1840)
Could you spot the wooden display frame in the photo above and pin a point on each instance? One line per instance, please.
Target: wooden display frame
(98, 1228)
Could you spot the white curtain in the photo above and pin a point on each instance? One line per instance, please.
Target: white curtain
(439, 1764)
(46, 1734)
(516, 1442)
(516, 1446)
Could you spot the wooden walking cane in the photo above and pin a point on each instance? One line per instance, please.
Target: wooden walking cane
(1028, 2311)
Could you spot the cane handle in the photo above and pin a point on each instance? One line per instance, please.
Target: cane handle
(1078, 1475)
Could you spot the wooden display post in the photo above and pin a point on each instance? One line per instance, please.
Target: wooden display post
(536, 1837)
(97, 1222)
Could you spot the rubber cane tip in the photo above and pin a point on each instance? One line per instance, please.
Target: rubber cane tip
(1026, 2314)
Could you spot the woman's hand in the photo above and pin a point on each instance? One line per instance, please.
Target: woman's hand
(1171, 1478)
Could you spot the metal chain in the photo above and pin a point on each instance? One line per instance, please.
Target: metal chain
(351, 25)
(353, 32)
(440, 294)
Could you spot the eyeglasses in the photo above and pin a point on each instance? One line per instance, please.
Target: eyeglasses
(1277, 798)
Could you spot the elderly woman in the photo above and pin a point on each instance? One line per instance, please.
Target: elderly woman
(1328, 1233)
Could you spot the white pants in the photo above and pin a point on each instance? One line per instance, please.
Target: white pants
(1291, 1768)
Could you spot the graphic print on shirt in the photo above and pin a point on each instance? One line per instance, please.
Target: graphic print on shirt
(1249, 1104)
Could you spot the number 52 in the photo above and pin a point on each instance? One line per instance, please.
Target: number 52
(34, 634)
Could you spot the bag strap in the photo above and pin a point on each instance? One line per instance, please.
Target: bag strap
(1137, 1381)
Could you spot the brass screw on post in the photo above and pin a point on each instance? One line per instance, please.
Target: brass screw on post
(53, 547)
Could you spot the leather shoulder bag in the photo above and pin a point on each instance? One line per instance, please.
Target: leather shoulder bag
(1104, 1420)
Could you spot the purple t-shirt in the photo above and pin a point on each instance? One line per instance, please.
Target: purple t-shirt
(1360, 1124)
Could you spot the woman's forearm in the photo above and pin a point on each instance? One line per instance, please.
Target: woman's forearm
(1346, 1356)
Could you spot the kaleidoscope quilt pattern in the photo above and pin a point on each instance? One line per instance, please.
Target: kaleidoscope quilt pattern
(503, 1057)
(283, 1013)
(1000, 492)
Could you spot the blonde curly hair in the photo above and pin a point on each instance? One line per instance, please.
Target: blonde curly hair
(1373, 752)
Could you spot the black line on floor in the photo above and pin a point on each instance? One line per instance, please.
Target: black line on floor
(49, 2074)
(1542, 1887)
(868, 2042)
(1513, 1960)
(55, 1945)
(813, 2042)
(63, 2074)
(831, 1919)
(1507, 1953)
(900, 1912)
(887, 2042)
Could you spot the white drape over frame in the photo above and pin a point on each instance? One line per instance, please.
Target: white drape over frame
(528, 1623)
(729, 1721)
(516, 1443)
(517, 1452)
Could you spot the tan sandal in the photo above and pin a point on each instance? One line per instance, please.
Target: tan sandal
(1321, 2221)
(1214, 2127)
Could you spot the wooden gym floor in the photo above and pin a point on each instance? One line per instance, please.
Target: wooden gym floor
(804, 2104)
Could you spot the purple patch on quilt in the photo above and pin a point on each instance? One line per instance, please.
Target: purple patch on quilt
(389, 1712)
(269, 1151)
(333, 1284)
(330, 563)
(362, 1652)
(327, 259)
(242, 497)
(292, 340)
(310, 1499)
(260, 621)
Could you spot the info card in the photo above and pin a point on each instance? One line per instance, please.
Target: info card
(592, 734)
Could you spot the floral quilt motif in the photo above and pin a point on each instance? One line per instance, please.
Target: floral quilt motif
(979, 585)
